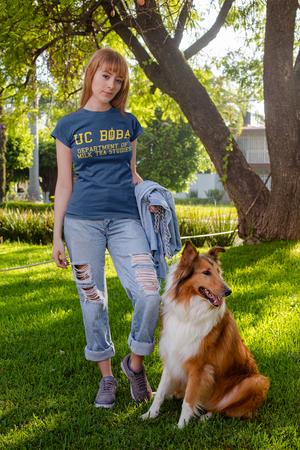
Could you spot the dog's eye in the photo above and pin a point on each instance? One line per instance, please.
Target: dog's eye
(206, 272)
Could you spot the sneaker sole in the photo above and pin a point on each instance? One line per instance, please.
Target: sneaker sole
(102, 405)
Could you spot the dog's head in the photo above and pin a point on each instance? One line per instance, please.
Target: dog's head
(201, 275)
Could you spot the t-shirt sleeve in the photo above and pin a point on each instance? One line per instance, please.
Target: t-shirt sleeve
(137, 130)
(62, 132)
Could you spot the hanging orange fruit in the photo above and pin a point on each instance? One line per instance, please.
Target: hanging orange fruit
(141, 2)
(112, 13)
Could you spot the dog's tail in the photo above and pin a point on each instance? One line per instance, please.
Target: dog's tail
(245, 399)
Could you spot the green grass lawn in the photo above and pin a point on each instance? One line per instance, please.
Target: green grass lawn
(47, 388)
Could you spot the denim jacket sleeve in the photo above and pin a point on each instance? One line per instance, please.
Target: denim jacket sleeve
(167, 241)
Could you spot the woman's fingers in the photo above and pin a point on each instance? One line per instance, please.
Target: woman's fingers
(59, 257)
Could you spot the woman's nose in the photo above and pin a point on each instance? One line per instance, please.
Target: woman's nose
(112, 83)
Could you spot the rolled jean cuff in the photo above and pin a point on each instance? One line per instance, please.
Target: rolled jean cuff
(141, 348)
(99, 356)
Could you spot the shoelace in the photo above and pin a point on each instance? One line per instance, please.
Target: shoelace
(107, 385)
(141, 381)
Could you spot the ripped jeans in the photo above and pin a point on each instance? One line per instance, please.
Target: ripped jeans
(127, 244)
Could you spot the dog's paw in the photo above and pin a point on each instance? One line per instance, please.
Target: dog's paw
(205, 417)
(181, 424)
(150, 415)
(146, 415)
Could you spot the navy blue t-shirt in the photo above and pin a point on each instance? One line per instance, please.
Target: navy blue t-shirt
(100, 142)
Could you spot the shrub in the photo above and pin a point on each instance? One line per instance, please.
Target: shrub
(191, 201)
(193, 193)
(214, 195)
(25, 206)
(196, 221)
(37, 227)
(27, 226)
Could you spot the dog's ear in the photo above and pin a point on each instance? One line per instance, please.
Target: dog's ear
(214, 252)
(189, 253)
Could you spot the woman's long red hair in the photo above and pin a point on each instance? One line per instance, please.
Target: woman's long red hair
(112, 61)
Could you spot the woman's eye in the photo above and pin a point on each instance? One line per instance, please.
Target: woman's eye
(206, 272)
(119, 81)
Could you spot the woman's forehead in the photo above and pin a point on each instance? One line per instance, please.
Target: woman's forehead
(112, 67)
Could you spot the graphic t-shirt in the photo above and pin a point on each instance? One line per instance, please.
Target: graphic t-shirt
(100, 142)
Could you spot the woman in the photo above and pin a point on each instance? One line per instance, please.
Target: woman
(101, 212)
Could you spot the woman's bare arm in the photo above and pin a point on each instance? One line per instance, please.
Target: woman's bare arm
(63, 193)
(136, 178)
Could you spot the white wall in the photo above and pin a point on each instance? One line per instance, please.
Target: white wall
(204, 182)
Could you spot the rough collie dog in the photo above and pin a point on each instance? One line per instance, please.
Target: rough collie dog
(205, 360)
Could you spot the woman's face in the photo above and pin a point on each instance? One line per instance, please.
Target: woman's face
(105, 86)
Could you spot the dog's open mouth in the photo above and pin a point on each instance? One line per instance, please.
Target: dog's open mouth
(212, 298)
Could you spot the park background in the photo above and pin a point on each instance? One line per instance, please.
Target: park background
(196, 68)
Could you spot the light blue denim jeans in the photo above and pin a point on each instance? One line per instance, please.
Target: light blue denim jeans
(127, 244)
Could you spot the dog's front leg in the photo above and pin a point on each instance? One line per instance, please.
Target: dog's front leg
(199, 385)
(166, 387)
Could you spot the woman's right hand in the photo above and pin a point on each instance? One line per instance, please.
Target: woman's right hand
(59, 254)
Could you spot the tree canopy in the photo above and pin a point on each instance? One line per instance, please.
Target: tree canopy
(168, 152)
(18, 152)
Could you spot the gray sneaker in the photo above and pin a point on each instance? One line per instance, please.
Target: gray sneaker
(139, 386)
(107, 393)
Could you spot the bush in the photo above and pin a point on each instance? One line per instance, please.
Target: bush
(27, 226)
(37, 227)
(195, 221)
(193, 193)
(214, 195)
(25, 206)
(191, 201)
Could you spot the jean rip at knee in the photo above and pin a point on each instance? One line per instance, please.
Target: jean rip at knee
(145, 273)
(83, 277)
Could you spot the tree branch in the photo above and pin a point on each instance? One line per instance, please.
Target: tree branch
(152, 69)
(74, 92)
(184, 14)
(58, 38)
(211, 33)
(95, 39)
(93, 8)
(99, 26)
(122, 10)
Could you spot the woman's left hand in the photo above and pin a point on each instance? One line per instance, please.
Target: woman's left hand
(152, 208)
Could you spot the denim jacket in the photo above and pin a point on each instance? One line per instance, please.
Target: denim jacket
(165, 243)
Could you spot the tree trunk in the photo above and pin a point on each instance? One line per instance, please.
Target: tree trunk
(2, 155)
(34, 183)
(49, 179)
(282, 216)
(175, 78)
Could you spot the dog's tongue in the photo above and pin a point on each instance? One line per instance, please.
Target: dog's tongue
(217, 300)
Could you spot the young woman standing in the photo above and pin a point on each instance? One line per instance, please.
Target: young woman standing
(101, 212)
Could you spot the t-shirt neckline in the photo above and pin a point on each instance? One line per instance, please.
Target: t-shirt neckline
(88, 111)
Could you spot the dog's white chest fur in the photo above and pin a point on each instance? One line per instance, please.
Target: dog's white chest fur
(184, 328)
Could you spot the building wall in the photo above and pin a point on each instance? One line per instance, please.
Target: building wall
(254, 147)
(204, 182)
(253, 144)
